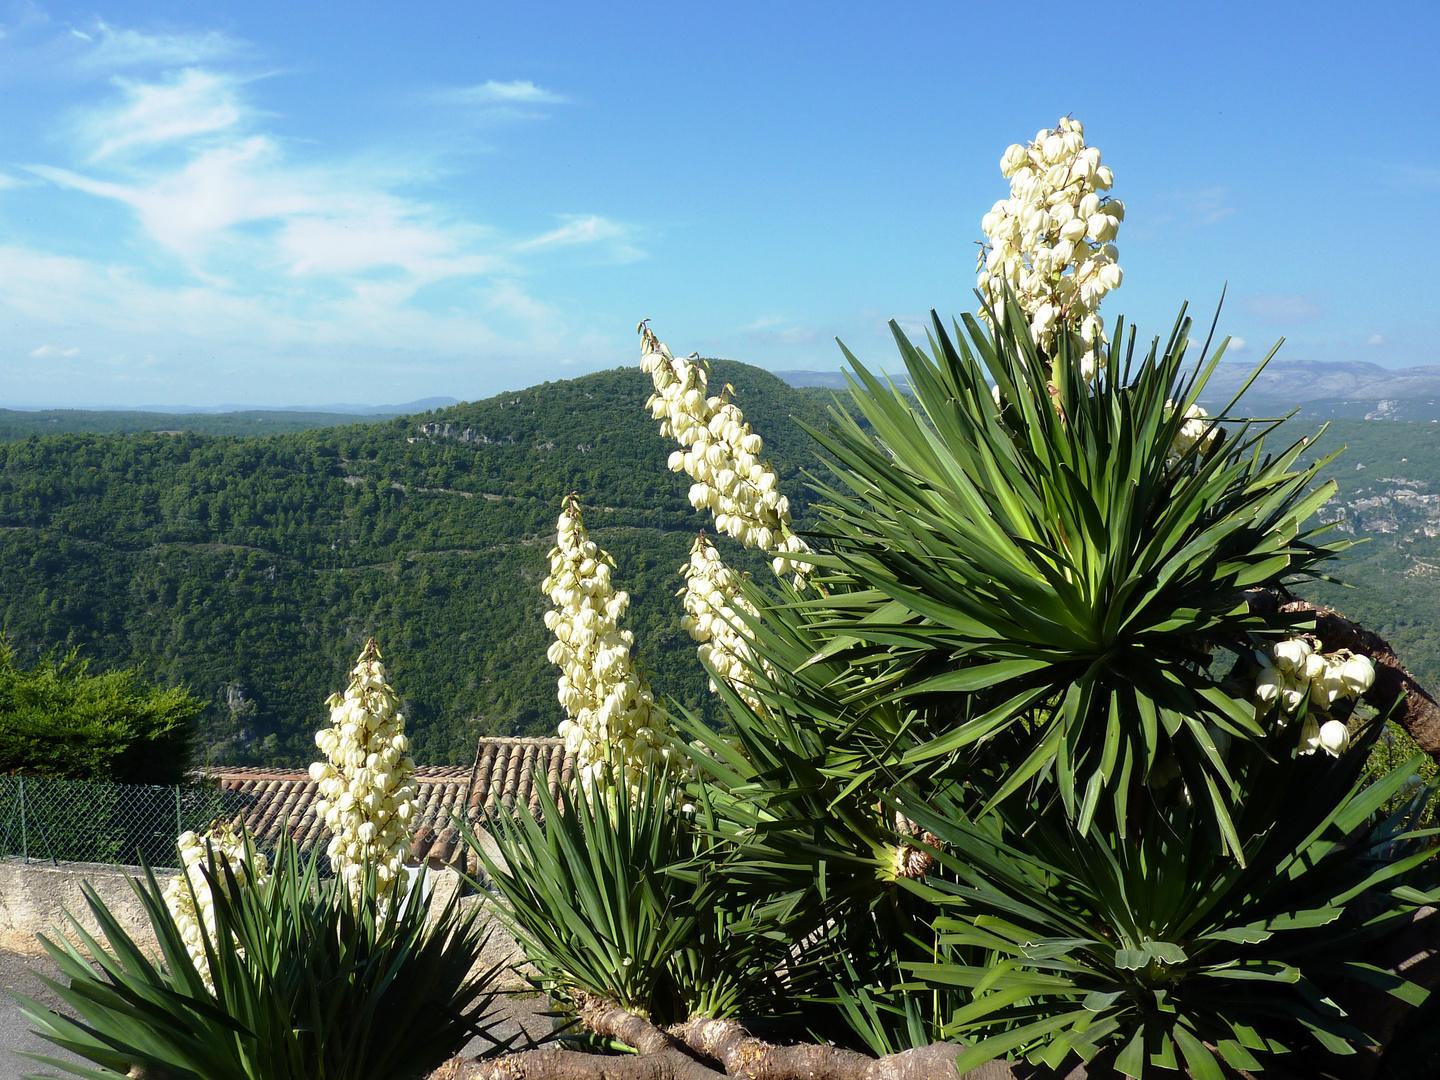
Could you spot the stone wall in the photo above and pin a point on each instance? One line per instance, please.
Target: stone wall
(35, 896)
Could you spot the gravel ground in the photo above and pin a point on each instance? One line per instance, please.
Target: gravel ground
(513, 1015)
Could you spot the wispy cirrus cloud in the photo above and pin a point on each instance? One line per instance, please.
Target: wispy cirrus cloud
(589, 230)
(111, 47)
(191, 102)
(777, 330)
(491, 92)
(1180, 210)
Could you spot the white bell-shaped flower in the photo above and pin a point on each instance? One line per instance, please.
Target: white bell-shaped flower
(1333, 737)
(712, 599)
(1050, 241)
(189, 897)
(719, 455)
(607, 702)
(370, 794)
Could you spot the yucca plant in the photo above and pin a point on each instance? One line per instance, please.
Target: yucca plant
(1159, 951)
(310, 984)
(1040, 573)
(1021, 602)
(616, 896)
(791, 793)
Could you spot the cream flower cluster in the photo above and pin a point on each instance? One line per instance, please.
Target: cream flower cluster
(189, 896)
(722, 456)
(1293, 670)
(1050, 240)
(366, 785)
(612, 717)
(1195, 430)
(712, 601)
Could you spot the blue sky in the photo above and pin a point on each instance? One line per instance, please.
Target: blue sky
(308, 203)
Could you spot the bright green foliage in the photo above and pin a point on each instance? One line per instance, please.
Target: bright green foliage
(57, 720)
(619, 899)
(1065, 943)
(317, 987)
(1029, 635)
(253, 569)
(1053, 567)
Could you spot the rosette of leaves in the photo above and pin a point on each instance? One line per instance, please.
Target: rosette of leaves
(1039, 579)
(319, 984)
(792, 791)
(619, 898)
(1157, 951)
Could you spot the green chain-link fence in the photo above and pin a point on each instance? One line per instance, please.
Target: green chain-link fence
(78, 821)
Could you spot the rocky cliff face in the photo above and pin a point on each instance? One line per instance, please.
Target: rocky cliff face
(1389, 505)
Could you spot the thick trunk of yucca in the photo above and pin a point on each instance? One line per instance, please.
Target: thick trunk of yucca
(723, 1050)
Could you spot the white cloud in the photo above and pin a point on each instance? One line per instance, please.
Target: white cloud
(772, 330)
(234, 194)
(1237, 344)
(219, 188)
(274, 338)
(1177, 210)
(576, 230)
(50, 350)
(1208, 206)
(1375, 339)
(490, 92)
(379, 235)
(189, 103)
(113, 47)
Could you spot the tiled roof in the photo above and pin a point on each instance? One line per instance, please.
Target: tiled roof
(501, 776)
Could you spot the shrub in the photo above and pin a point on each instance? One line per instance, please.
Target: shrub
(58, 720)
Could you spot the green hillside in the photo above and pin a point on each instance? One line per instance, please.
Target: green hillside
(252, 569)
(1389, 498)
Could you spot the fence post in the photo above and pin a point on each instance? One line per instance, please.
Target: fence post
(24, 840)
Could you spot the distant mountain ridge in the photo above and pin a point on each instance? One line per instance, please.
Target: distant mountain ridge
(416, 406)
(1313, 380)
(1327, 389)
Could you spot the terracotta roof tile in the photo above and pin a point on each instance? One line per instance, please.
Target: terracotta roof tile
(502, 775)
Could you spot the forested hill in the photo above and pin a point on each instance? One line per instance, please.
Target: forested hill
(252, 569)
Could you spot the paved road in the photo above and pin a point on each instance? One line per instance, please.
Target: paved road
(19, 973)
